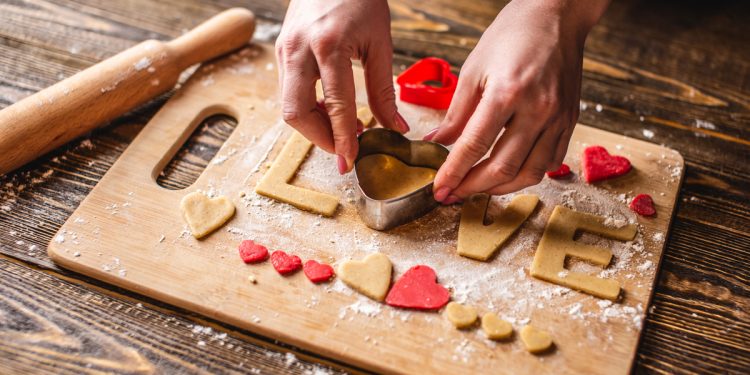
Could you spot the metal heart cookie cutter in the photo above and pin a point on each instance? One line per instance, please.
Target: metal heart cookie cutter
(383, 214)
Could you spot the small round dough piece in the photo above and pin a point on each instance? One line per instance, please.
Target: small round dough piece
(461, 316)
(496, 328)
(535, 340)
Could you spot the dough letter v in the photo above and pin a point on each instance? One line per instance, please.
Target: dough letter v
(479, 241)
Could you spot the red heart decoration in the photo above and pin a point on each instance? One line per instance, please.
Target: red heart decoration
(318, 272)
(643, 205)
(251, 252)
(561, 172)
(418, 289)
(599, 165)
(284, 263)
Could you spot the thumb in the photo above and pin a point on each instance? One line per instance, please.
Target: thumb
(378, 64)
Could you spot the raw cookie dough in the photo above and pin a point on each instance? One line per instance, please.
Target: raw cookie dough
(203, 214)
(496, 328)
(383, 176)
(275, 183)
(557, 243)
(461, 316)
(365, 115)
(370, 276)
(479, 241)
(535, 340)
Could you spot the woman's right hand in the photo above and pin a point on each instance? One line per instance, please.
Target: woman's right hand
(318, 40)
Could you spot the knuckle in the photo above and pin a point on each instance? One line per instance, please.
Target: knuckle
(291, 117)
(474, 146)
(324, 42)
(502, 171)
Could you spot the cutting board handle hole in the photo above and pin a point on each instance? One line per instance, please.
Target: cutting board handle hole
(197, 152)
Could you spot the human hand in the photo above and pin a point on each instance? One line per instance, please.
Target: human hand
(317, 41)
(524, 76)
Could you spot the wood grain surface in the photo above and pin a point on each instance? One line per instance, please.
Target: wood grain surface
(678, 70)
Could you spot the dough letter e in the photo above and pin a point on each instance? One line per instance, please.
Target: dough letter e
(557, 243)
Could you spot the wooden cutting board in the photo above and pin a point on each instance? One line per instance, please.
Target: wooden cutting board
(129, 232)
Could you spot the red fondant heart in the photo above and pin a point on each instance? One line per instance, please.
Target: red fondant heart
(643, 205)
(418, 289)
(561, 172)
(251, 252)
(285, 263)
(318, 272)
(599, 165)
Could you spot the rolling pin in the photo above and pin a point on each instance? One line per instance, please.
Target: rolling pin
(60, 113)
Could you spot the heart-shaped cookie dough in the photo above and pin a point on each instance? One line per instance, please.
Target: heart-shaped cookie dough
(599, 165)
(203, 214)
(496, 328)
(643, 205)
(284, 263)
(394, 177)
(418, 289)
(317, 272)
(251, 252)
(461, 316)
(383, 176)
(535, 340)
(370, 276)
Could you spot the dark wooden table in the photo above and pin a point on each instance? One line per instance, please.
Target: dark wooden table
(676, 73)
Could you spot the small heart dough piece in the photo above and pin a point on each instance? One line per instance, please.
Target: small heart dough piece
(370, 276)
(461, 316)
(535, 340)
(496, 328)
(203, 214)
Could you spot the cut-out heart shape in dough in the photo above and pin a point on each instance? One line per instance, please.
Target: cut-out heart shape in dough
(317, 272)
(496, 328)
(370, 276)
(251, 252)
(461, 316)
(599, 165)
(535, 340)
(643, 205)
(383, 177)
(418, 289)
(561, 172)
(285, 263)
(203, 214)
(385, 157)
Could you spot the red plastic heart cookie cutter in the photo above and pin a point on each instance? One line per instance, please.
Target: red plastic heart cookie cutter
(415, 87)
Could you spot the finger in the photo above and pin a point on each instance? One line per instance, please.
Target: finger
(465, 100)
(299, 102)
(561, 149)
(378, 65)
(480, 133)
(338, 90)
(506, 159)
(534, 167)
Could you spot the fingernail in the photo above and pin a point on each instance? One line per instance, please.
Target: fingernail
(343, 166)
(451, 200)
(442, 193)
(402, 125)
(430, 135)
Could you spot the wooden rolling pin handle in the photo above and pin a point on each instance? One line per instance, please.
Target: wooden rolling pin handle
(62, 112)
